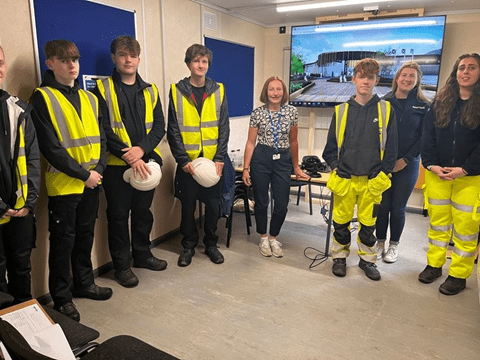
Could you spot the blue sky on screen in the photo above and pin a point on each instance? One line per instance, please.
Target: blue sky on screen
(420, 38)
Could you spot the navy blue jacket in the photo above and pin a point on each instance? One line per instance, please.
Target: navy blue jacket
(409, 124)
(452, 146)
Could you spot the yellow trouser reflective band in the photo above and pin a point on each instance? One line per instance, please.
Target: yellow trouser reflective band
(366, 253)
(339, 250)
(473, 237)
(441, 244)
(439, 201)
(464, 208)
(440, 228)
(463, 254)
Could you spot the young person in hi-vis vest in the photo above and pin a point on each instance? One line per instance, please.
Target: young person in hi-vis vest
(72, 141)
(134, 125)
(19, 190)
(198, 126)
(361, 150)
(451, 151)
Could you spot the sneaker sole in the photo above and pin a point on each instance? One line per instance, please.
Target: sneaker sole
(265, 254)
(277, 256)
(389, 261)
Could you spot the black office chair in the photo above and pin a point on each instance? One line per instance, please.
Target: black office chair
(241, 192)
(299, 184)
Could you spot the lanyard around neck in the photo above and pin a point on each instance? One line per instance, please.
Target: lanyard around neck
(276, 130)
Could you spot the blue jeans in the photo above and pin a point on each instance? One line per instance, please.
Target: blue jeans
(394, 202)
(265, 171)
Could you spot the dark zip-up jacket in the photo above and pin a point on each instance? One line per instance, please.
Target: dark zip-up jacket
(409, 124)
(48, 142)
(360, 152)
(173, 131)
(8, 181)
(135, 127)
(452, 146)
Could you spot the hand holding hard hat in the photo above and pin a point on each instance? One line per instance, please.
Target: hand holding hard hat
(205, 172)
(151, 182)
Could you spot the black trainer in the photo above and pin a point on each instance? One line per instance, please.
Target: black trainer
(215, 256)
(185, 257)
(429, 274)
(126, 278)
(93, 292)
(69, 310)
(152, 263)
(453, 285)
(370, 269)
(339, 267)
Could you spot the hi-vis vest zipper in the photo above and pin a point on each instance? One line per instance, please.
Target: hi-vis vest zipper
(107, 89)
(341, 112)
(80, 137)
(14, 111)
(199, 133)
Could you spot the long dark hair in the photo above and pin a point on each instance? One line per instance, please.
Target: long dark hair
(447, 98)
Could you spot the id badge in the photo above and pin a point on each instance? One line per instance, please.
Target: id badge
(276, 156)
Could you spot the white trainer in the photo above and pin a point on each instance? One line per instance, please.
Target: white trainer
(264, 246)
(276, 248)
(391, 254)
(380, 249)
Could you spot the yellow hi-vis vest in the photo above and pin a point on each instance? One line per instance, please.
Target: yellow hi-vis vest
(199, 133)
(79, 136)
(14, 111)
(107, 89)
(341, 112)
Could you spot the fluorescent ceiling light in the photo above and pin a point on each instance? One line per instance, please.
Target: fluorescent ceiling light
(376, 26)
(389, 42)
(330, 4)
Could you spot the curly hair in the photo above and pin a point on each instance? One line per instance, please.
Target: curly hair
(367, 67)
(448, 96)
(410, 65)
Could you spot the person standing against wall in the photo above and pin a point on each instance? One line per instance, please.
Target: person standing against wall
(410, 106)
(270, 161)
(451, 153)
(198, 126)
(72, 141)
(19, 190)
(134, 125)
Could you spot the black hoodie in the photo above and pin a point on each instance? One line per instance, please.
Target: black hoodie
(360, 152)
(48, 142)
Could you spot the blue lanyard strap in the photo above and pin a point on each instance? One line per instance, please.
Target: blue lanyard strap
(277, 129)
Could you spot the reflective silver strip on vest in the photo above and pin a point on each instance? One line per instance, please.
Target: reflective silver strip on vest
(465, 238)
(441, 228)
(463, 254)
(108, 99)
(209, 142)
(67, 142)
(180, 110)
(93, 162)
(149, 125)
(442, 244)
(383, 109)
(439, 201)
(463, 208)
(341, 110)
(191, 147)
(218, 103)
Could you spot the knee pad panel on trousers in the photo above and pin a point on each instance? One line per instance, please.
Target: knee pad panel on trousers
(365, 233)
(342, 233)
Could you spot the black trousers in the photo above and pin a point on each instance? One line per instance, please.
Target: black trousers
(71, 223)
(124, 201)
(17, 239)
(189, 191)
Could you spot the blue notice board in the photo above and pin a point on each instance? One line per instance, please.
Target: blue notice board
(233, 65)
(91, 26)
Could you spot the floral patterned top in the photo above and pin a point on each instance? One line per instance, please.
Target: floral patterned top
(267, 122)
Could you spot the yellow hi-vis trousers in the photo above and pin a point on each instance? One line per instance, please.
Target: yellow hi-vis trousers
(454, 210)
(343, 209)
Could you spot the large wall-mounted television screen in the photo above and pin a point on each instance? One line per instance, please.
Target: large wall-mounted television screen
(323, 56)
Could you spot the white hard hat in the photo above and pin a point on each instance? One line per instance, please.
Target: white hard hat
(151, 182)
(205, 172)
